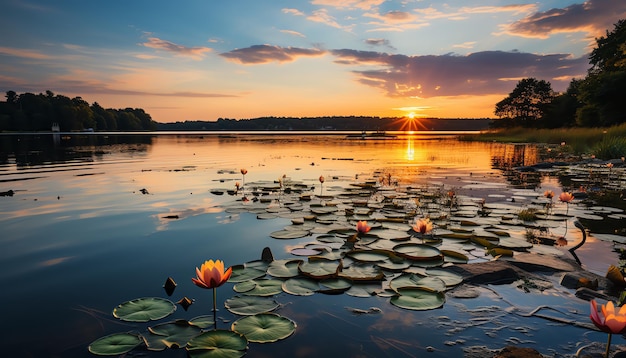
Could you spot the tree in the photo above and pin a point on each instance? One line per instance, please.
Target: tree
(527, 103)
(602, 91)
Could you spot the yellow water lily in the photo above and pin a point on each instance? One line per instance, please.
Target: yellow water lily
(423, 226)
(211, 274)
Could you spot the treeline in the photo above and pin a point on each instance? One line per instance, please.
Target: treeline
(338, 123)
(38, 112)
(598, 100)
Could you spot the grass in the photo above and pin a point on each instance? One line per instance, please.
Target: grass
(607, 142)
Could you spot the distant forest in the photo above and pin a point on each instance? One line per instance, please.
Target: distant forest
(38, 112)
(345, 123)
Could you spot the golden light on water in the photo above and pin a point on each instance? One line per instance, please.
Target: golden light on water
(410, 151)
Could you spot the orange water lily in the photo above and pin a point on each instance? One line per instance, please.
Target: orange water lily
(211, 274)
(548, 194)
(244, 171)
(321, 178)
(423, 226)
(609, 320)
(566, 197)
(362, 227)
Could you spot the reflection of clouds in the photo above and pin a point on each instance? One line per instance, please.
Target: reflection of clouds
(229, 219)
(165, 218)
(392, 320)
(56, 261)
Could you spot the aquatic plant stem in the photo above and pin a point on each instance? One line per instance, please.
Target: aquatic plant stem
(608, 346)
(214, 309)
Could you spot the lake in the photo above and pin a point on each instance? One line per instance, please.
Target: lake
(95, 220)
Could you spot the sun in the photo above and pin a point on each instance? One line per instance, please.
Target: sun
(411, 115)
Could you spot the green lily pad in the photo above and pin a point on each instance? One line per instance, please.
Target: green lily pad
(334, 285)
(410, 280)
(250, 305)
(144, 309)
(450, 278)
(362, 273)
(454, 257)
(417, 251)
(369, 255)
(115, 344)
(363, 289)
(300, 286)
(289, 234)
(264, 287)
(203, 321)
(418, 299)
(242, 273)
(171, 335)
(284, 268)
(394, 264)
(264, 327)
(320, 268)
(217, 344)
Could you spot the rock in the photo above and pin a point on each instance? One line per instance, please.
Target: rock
(587, 294)
(537, 262)
(518, 352)
(7, 193)
(495, 272)
(578, 279)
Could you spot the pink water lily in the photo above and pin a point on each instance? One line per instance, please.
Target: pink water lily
(608, 320)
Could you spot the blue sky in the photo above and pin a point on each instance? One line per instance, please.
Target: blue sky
(202, 60)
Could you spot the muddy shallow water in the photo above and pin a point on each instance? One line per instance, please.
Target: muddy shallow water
(97, 220)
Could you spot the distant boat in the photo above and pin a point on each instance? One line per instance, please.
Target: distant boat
(372, 135)
(55, 127)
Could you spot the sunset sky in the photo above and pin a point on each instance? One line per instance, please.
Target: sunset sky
(202, 59)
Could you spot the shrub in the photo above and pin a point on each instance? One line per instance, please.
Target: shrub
(610, 148)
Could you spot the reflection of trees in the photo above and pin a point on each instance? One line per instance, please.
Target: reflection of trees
(514, 161)
(31, 150)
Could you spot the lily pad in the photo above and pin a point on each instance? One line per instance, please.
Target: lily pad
(264, 327)
(284, 268)
(418, 299)
(417, 251)
(369, 255)
(289, 234)
(410, 280)
(320, 268)
(363, 272)
(242, 273)
(450, 278)
(144, 309)
(250, 305)
(115, 344)
(171, 335)
(203, 321)
(265, 287)
(300, 286)
(218, 344)
(334, 285)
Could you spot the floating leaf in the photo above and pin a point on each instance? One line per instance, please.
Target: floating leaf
(264, 327)
(454, 257)
(289, 234)
(284, 268)
(418, 299)
(414, 281)
(265, 287)
(417, 251)
(171, 335)
(305, 251)
(144, 309)
(242, 273)
(203, 321)
(363, 289)
(362, 273)
(217, 344)
(450, 278)
(115, 344)
(320, 268)
(250, 305)
(369, 255)
(334, 285)
(300, 286)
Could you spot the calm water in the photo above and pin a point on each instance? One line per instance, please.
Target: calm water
(79, 237)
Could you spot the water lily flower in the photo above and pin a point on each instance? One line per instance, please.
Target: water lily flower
(423, 226)
(244, 171)
(609, 321)
(561, 241)
(362, 227)
(211, 274)
(609, 165)
(321, 179)
(548, 194)
(566, 197)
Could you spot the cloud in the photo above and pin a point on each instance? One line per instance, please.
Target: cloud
(480, 73)
(593, 16)
(323, 17)
(349, 4)
(379, 42)
(261, 54)
(294, 12)
(291, 32)
(24, 53)
(197, 53)
(393, 17)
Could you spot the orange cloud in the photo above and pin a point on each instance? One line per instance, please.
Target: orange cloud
(261, 54)
(197, 53)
